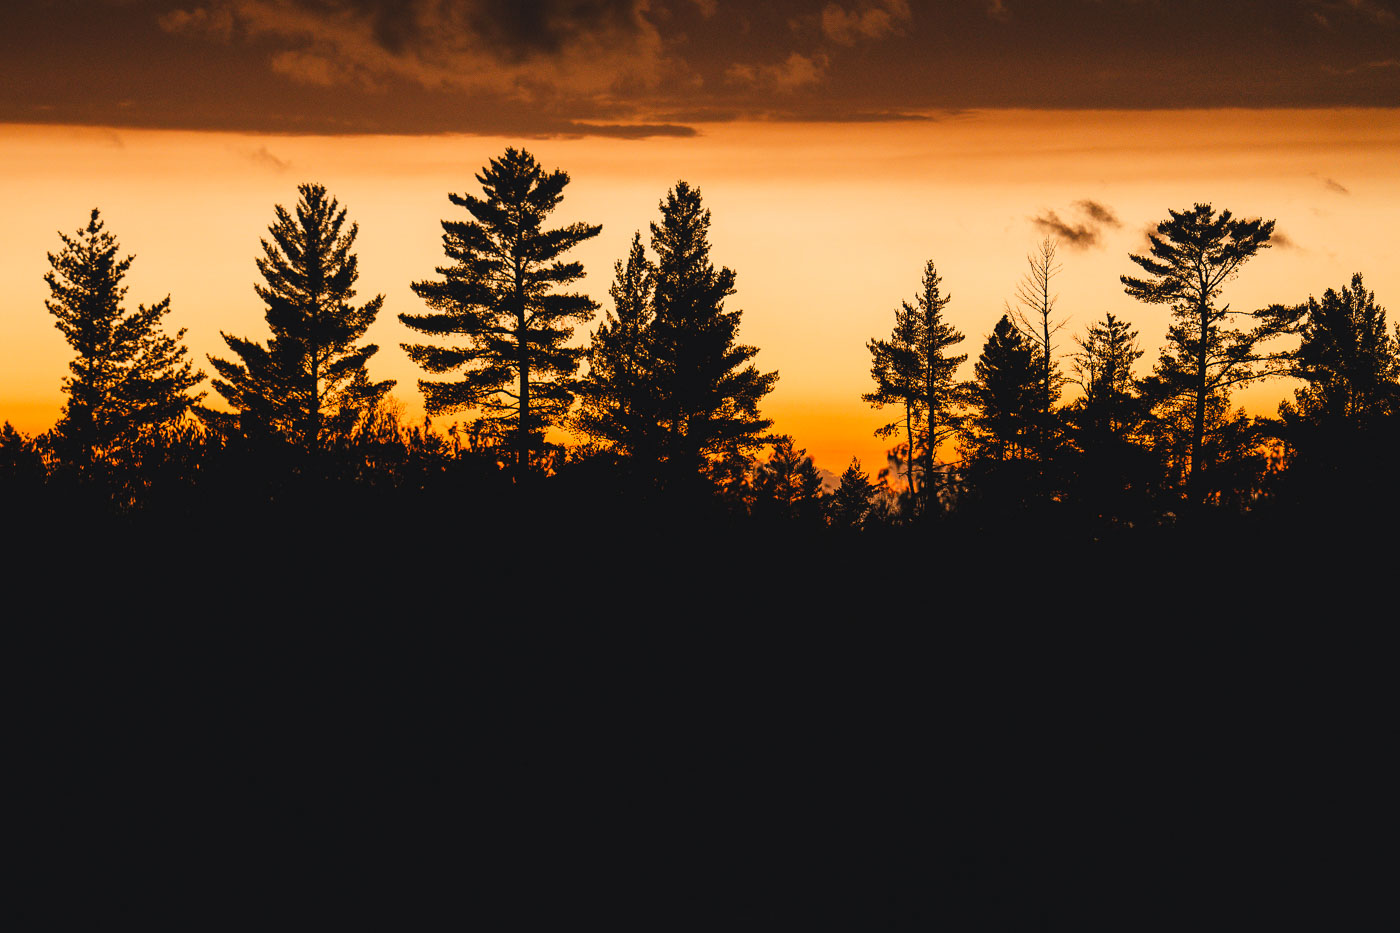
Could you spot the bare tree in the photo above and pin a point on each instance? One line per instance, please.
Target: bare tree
(1034, 318)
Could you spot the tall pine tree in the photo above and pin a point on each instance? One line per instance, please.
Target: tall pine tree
(498, 297)
(914, 369)
(128, 374)
(707, 389)
(309, 383)
(1193, 254)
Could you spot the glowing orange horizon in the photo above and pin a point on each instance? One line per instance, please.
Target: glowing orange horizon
(827, 227)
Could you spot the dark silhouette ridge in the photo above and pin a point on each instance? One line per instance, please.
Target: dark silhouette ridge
(728, 702)
(670, 404)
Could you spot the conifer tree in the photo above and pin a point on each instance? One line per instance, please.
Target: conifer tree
(1103, 369)
(707, 389)
(1006, 396)
(618, 404)
(1347, 358)
(851, 501)
(498, 296)
(309, 383)
(894, 366)
(915, 369)
(1112, 467)
(1193, 254)
(788, 485)
(128, 374)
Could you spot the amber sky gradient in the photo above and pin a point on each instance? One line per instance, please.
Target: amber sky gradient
(839, 146)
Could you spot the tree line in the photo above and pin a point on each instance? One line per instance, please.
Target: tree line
(665, 398)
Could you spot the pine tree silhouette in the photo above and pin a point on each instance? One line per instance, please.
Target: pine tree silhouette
(128, 374)
(309, 383)
(1193, 254)
(498, 296)
(913, 368)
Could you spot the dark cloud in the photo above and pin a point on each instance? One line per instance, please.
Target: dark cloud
(1080, 236)
(524, 28)
(1082, 233)
(1098, 213)
(624, 130)
(553, 66)
(1282, 240)
(261, 156)
(1334, 185)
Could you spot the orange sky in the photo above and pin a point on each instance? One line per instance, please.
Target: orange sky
(826, 225)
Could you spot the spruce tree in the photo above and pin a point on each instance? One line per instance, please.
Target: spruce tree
(309, 383)
(850, 503)
(618, 403)
(1341, 426)
(1347, 359)
(128, 374)
(1111, 467)
(788, 486)
(707, 389)
(498, 296)
(1006, 396)
(1103, 369)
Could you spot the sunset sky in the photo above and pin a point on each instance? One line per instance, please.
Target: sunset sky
(838, 144)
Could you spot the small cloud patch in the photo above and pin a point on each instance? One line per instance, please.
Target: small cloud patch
(266, 159)
(1083, 231)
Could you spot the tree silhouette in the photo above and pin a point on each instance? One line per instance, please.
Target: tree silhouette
(1111, 423)
(913, 369)
(850, 503)
(1006, 396)
(788, 485)
(309, 383)
(1341, 424)
(1193, 254)
(499, 296)
(1103, 369)
(1346, 357)
(618, 398)
(128, 374)
(1034, 317)
(707, 390)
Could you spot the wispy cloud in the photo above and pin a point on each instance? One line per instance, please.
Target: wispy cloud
(794, 72)
(501, 44)
(1083, 232)
(1098, 212)
(262, 156)
(866, 21)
